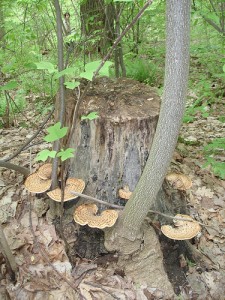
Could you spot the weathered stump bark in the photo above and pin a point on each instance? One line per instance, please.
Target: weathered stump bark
(111, 151)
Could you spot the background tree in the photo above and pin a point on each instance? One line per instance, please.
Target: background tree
(213, 12)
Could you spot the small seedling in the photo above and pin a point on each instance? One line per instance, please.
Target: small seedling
(55, 132)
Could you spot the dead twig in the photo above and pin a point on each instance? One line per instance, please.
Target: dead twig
(102, 288)
(151, 211)
(96, 200)
(30, 139)
(14, 167)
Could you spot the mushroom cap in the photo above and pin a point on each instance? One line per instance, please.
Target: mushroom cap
(125, 193)
(35, 184)
(85, 214)
(179, 181)
(45, 171)
(184, 230)
(72, 184)
(56, 195)
(75, 184)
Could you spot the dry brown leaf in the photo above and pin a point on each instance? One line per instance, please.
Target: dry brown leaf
(204, 191)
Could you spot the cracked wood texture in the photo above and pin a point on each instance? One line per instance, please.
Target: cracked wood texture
(111, 151)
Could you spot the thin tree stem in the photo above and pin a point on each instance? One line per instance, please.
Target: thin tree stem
(7, 253)
(171, 113)
(56, 145)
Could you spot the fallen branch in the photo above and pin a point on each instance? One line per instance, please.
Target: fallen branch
(7, 253)
(96, 200)
(14, 167)
(151, 211)
(30, 139)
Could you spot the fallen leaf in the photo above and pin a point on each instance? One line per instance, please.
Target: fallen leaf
(203, 191)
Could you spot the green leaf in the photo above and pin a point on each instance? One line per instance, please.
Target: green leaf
(68, 71)
(224, 68)
(45, 154)
(87, 75)
(216, 144)
(45, 65)
(92, 67)
(30, 65)
(91, 116)
(105, 69)
(55, 132)
(71, 85)
(9, 85)
(65, 154)
(188, 119)
(205, 115)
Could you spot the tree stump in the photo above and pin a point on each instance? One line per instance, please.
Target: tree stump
(111, 151)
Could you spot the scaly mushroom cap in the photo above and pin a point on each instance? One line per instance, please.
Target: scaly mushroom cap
(56, 195)
(179, 181)
(45, 171)
(125, 193)
(35, 184)
(75, 185)
(184, 230)
(86, 215)
(72, 184)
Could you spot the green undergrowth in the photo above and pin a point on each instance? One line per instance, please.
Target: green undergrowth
(214, 156)
(12, 106)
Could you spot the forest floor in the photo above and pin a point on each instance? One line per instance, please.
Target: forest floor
(45, 271)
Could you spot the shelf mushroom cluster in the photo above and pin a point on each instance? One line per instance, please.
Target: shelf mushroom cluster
(179, 181)
(183, 230)
(125, 193)
(86, 214)
(40, 181)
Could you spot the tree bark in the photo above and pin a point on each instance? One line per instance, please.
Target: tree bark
(92, 24)
(112, 150)
(171, 113)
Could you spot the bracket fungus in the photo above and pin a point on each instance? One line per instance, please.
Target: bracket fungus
(184, 229)
(85, 214)
(125, 193)
(72, 184)
(35, 184)
(179, 181)
(45, 171)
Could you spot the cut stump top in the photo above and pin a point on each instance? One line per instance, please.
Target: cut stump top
(120, 99)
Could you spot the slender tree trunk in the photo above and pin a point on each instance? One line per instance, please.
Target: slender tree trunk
(54, 208)
(2, 27)
(171, 113)
(61, 115)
